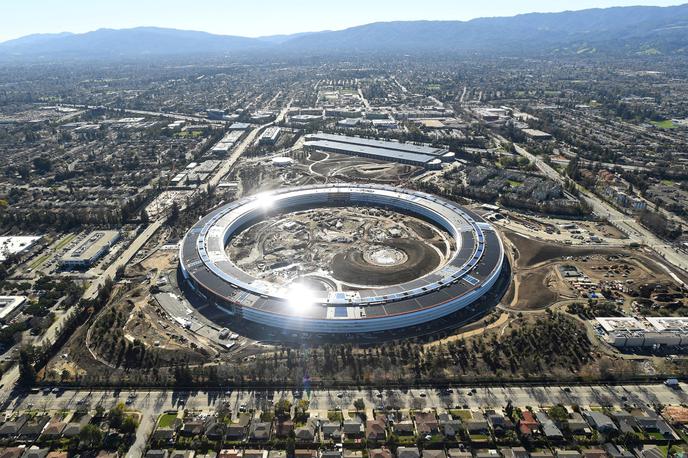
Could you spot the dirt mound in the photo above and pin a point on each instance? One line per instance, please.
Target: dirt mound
(351, 267)
(533, 252)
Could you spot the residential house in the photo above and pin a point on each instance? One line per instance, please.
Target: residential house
(514, 452)
(229, 453)
(577, 424)
(106, 454)
(182, 454)
(260, 431)
(352, 429)
(235, 432)
(36, 452)
(600, 421)
(330, 454)
(283, 428)
(652, 423)
(676, 415)
(426, 423)
(216, 431)
(487, 453)
(548, 427)
(252, 453)
(477, 424)
(33, 428)
(408, 452)
(11, 428)
(11, 452)
(594, 453)
(156, 453)
(332, 430)
(449, 427)
(53, 430)
(428, 453)
(196, 425)
(616, 451)
(75, 424)
(375, 430)
(57, 454)
(541, 454)
(626, 422)
(528, 425)
(305, 453)
(305, 433)
(383, 452)
(346, 453)
(567, 453)
(499, 423)
(651, 451)
(458, 453)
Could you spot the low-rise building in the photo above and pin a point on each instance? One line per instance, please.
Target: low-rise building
(86, 253)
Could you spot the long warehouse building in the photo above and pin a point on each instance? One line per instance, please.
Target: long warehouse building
(403, 153)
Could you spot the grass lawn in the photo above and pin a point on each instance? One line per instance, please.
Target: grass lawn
(64, 241)
(334, 415)
(167, 420)
(407, 440)
(39, 261)
(666, 124)
(463, 414)
(479, 437)
(514, 184)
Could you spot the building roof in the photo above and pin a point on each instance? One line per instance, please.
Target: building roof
(91, 246)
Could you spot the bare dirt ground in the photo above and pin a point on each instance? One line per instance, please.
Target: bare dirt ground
(538, 283)
(346, 246)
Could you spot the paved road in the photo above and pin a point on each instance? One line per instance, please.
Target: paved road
(152, 403)
(181, 116)
(124, 258)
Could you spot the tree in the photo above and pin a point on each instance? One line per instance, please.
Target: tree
(129, 425)
(359, 404)
(282, 409)
(509, 409)
(90, 436)
(174, 213)
(558, 413)
(27, 371)
(116, 416)
(42, 164)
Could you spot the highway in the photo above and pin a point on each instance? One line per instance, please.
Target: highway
(180, 116)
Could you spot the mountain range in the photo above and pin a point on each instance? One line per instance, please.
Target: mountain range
(621, 30)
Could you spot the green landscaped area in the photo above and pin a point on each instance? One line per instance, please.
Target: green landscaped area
(461, 414)
(64, 241)
(167, 420)
(666, 124)
(514, 184)
(187, 134)
(334, 415)
(38, 261)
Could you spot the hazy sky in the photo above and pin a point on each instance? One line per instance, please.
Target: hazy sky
(260, 17)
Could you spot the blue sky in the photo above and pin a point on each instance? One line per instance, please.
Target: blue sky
(260, 17)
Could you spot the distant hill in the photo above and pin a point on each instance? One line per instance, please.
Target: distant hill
(625, 30)
(140, 41)
(628, 29)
